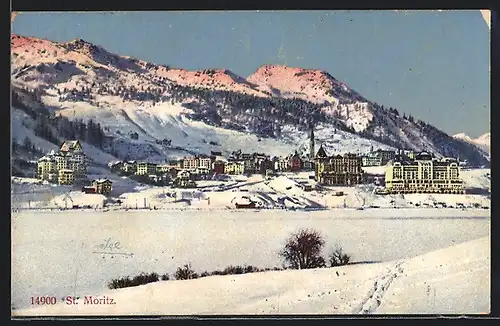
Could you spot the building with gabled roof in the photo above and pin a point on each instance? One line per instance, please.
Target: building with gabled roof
(71, 146)
(102, 186)
(69, 157)
(321, 152)
(339, 170)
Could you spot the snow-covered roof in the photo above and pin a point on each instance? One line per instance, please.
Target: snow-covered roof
(101, 180)
(45, 158)
(70, 143)
(244, 200)
(66, 170)
(321, 152)
(114, 163)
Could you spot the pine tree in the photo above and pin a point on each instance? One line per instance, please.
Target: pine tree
(27, 143)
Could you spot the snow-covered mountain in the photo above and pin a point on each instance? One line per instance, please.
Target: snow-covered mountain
(154, 111)
(483, 142)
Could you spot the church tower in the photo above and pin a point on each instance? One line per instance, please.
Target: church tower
(311, 142)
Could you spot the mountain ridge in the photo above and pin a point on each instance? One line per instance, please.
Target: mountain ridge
(80, 78)
(483, 142)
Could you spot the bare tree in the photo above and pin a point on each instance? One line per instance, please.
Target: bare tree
(338, 257)
(303, 250)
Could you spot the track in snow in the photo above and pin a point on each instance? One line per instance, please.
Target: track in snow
(375, 296)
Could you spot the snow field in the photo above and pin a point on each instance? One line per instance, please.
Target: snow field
(454, 280)
(53, 251)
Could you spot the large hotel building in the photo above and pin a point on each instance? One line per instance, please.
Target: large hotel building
(338, 170)
(424, 174)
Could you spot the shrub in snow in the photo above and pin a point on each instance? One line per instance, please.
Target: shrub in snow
(338, 258)
(240, 270)
(165, 277)
(251, 269)
(205, 274)
(135, 281)
(275, 268)
(232, 270)
(303, 250)
(185, 273)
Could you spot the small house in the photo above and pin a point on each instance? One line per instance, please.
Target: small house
(102, 186)
(295, 162)
(88, 190)
(218, 167)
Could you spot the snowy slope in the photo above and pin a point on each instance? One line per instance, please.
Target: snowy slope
(448, 281)
(455, 280)
(22, 127)
(161, 241)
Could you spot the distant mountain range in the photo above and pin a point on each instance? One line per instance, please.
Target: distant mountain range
(483, 142)
(138, 104)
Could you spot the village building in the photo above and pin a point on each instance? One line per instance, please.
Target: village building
(218, 167)
(47, 168)
(294, 163)
(377, 179)
(408, 154)
(172, 173)
(69, 157)
(175, 164)
(248, 166)
(189, 163)
(424, 174)
(88, 190)
(378, 158)
(281, 164)
(202, 172)
(66, 177)
(234, 167)
(259, 161)
(102, 186)
(307, 164)
(264, 166)
(339, 170)
(204, 163)
(146, 168)
(197, 164)
(386, 156)
(116, 167)
(184, 180)
(162, 168)
(130, 167)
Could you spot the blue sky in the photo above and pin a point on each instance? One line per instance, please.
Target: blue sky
(432, 65)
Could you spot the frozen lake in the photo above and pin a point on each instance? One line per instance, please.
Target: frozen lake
(58, 253)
